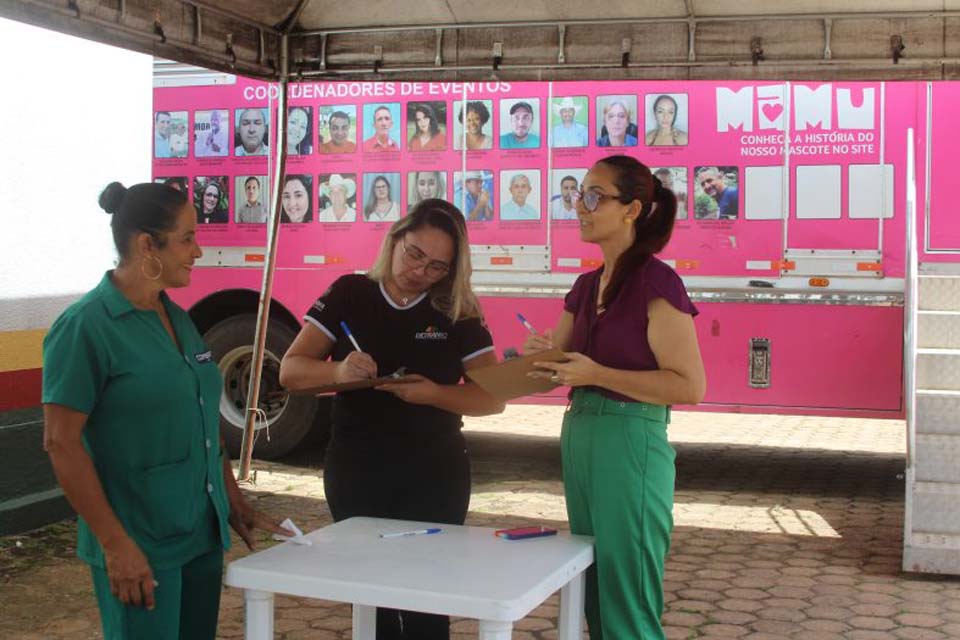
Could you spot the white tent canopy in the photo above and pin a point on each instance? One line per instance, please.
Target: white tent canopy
(532, 40)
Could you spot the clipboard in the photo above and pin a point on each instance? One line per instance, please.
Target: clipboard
(508, 379)
(354, 385)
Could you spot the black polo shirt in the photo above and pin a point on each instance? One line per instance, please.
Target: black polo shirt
(416, 337)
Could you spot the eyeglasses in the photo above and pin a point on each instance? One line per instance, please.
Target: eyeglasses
(592, 199)
(414, 258)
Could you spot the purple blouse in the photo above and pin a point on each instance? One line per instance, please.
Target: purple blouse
(617, 338)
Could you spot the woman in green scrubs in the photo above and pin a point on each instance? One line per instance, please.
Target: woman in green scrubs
(131, 409)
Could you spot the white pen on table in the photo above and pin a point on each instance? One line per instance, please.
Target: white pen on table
(418, 532)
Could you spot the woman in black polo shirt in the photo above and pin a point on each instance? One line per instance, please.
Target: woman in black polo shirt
(397, 451)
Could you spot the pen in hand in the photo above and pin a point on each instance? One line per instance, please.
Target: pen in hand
(353, 340)
(526, 323)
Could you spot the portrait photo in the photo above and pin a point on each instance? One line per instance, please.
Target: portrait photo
(300, 131)
(170, 134)
(520, 123)
(716, 193)
(473, 128)
(473, 194)
(520, 194)
(381, 197)
(337, 196)
(251, 135)
(381, 127)
(296, 204)
(675, 179)
(617, 121)
(252, 200)
(666, 119)
(337, 128)
(211, 199)
(569, 122)
(211, 133)
(564, 193)
(424, 185)
(427, 126)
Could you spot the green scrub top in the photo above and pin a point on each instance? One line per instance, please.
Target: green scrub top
(152, 426)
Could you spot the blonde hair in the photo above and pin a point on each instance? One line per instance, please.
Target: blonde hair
(452, 294)
(618, 101)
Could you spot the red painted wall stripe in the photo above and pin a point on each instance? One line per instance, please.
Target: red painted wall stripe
(20, 389)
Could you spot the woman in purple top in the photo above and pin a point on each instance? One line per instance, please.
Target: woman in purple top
(632, 347)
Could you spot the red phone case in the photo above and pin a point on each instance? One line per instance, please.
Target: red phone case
(520, 533)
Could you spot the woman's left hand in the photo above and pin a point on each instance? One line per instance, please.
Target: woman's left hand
(244, 519)
(577, 371)
(414, 389)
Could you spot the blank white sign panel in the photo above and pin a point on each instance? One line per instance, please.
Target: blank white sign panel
(818, 192)
(764, 193)
(868, 184)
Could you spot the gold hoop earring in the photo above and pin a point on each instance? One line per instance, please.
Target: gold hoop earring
(143, 271)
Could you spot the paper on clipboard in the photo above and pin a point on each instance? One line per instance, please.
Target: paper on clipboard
(508, 379)
(354, 385)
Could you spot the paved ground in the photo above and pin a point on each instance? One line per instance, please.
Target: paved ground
(785, 528)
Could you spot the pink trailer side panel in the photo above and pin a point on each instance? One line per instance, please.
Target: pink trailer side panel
(814, 168)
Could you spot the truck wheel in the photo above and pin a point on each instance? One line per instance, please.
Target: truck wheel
(289, 417)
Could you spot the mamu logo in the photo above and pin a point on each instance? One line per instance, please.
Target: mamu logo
(823, 107)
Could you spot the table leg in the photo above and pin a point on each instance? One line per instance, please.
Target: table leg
(570, 625)
(495, 630)
(259, 619)
(364, 622)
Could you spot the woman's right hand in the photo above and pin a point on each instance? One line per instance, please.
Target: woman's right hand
(356, 366)
(538, 342)
(131, 579)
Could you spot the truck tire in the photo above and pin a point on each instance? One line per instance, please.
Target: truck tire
(289, 417)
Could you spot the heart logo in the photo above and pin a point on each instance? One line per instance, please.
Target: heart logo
(771, 111)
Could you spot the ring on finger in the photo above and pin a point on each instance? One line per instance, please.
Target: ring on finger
(555, 377)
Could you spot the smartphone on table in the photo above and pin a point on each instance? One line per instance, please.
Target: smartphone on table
(520, 533)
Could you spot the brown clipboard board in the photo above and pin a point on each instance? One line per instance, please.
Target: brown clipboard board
(508, 379)
(354, 385)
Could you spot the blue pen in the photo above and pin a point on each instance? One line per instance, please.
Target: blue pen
(418, 532)
(353, 340)
(525, 323)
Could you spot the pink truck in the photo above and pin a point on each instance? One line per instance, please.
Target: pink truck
(791, 238)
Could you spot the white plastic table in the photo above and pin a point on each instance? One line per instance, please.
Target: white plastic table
(463, 571)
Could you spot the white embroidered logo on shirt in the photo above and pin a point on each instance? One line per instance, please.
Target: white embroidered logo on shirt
(431, 333)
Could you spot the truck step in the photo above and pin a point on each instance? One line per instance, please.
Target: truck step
(938, 329)
(938, 369)
(939, 293)
(936, 458)
(934, 508)
(938, 412)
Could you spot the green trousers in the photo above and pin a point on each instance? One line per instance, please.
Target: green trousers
(618, 477)
(187, 603)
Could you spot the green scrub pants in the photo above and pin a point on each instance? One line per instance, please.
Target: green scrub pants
(618, 477)
(187, 603)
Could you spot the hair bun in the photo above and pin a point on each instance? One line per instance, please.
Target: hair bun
(112, 197)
